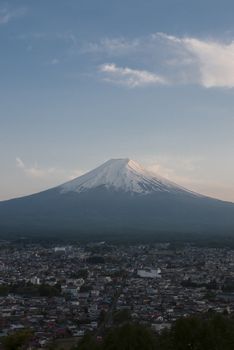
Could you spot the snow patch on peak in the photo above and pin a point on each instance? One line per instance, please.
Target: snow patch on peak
(121, 175)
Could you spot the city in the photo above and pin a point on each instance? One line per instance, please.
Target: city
(66, 291)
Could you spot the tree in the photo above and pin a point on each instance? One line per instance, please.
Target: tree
(17, 340)
(88, 343)
(121, 316)
(130, 337)
(206, 332)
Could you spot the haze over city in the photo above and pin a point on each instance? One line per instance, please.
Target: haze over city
(85, 81)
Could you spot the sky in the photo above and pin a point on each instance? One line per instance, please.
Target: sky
(83, 81)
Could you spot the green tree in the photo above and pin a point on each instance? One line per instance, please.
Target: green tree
(130, 337)
(17, 340)
(207, 332)
(88, 343)
(121, 316)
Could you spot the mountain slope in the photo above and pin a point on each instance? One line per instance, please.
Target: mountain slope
(118, 197)
(122, 175)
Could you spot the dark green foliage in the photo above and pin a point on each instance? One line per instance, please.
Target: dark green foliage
(228, 285)
(85, 288)
(209, 332)
(102, 317)
(29, 289)
(80, 274)
(213, 333)
(129, 337)
(210, 295)
(121, 316)
(88, 343)
(95, 260)
(45, 290)
(4, 290)
(17, 340)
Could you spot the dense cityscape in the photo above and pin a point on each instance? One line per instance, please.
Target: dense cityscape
(62, 292)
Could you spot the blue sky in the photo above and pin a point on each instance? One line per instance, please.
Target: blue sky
(83, 81)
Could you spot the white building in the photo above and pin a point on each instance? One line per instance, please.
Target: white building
(149, 273)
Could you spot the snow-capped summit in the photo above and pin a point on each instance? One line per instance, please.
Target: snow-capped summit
(118, 198)
(121, 175)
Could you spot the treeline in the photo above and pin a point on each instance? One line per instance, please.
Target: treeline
(227, 286)
(208, 332)
(17, 341)
(30, 290)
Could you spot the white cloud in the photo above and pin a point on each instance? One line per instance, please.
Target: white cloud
(130, 77)
(75, 173)
(183, 170)
(180, 60)
(20, 163)
(111, 46)
(214, 60)
(195, 183)
(177, 169)
(166, 58)
(34, 171)
(47, 173)
(6, 14)
(187, 172)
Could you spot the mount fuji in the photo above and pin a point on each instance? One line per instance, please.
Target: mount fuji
(123, 175)
(118, 197)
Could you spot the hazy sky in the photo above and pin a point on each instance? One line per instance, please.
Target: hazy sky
(82, 81)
